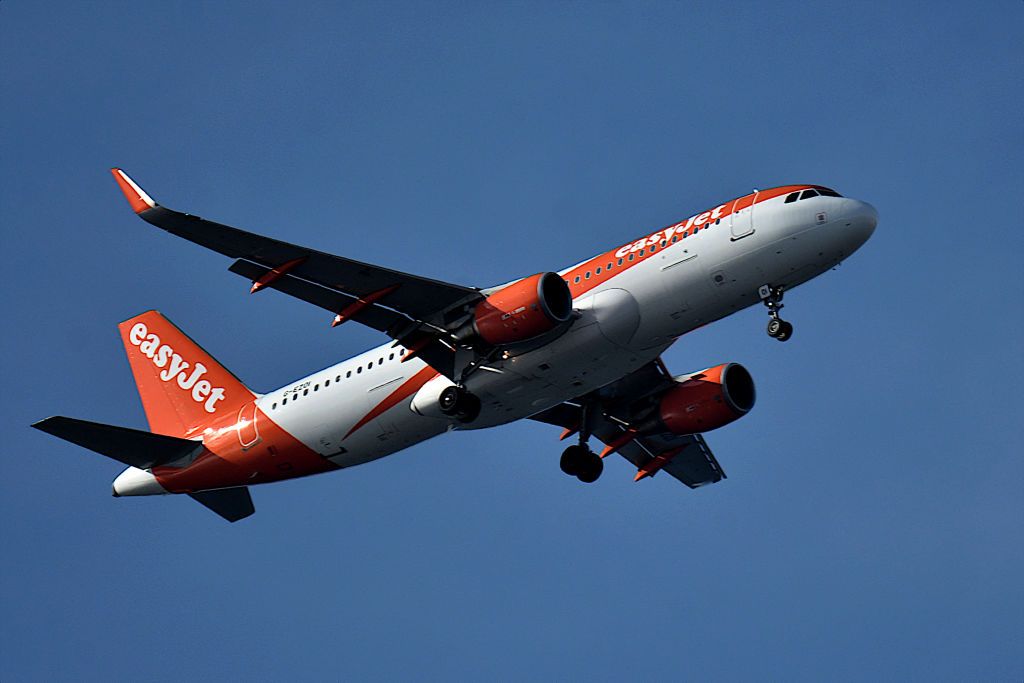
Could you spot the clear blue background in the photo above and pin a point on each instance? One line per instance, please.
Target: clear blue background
(872, 526)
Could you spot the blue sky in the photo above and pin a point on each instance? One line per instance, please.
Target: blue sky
(872, 525)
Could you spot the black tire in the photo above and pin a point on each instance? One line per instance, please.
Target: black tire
(775, 327)
(459, 403)
(573, 459)
(449, 400)
(786, 332)
(469, 409)
(592, 468)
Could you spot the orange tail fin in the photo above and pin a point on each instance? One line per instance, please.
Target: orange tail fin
(183, 389)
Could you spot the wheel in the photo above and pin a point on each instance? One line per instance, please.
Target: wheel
(459, 403)
(573, 459)
(592, 468)
(774, 328)
(469, 409)
(449, 400)
(785, 332)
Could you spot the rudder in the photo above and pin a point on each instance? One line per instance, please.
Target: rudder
(183, 389)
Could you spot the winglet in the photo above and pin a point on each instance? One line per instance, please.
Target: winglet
(137, 198)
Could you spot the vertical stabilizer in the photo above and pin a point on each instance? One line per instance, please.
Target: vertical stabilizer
(183, 389)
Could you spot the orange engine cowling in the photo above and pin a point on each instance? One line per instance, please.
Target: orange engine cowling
(708, 400)
(524, 309)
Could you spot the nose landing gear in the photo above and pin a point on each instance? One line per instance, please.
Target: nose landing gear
(772, 299)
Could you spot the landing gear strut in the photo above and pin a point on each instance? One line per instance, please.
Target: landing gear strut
(772, 299)
(582, 463)
(456, 402)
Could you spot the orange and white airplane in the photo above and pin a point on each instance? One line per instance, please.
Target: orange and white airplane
(578, 348)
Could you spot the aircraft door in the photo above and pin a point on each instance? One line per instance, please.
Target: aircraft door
(248, 432)
(741, 221)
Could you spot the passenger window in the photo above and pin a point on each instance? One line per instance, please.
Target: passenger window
(791, 197)
(632, 256)
(391, 356)
(675, 238)
(348, 374)
(642, 252)
(380, 361)
(305, 392)
(273, 406)
(598, 271)
(587, 276)
(663, 243)
(338, 378)
(316, 387)
(807, 194)
(284, 401)
(620, 262)
(609, 267)
(359, 370)
(576, 279)
(370, 366)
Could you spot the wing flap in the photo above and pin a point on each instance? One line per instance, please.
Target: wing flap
(695, 465)
(376, 316)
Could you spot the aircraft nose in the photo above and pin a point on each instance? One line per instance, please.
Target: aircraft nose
(861, 219)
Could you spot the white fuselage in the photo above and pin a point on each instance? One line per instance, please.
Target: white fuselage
(638, 308)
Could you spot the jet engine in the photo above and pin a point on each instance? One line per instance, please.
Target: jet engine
(707, 400)
(523, 310)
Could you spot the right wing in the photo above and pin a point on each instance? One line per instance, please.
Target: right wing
(687, 458)
(415, 311)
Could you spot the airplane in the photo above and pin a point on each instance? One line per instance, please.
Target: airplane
(579, 349)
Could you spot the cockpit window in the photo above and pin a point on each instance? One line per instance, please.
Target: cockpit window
(791, 197)
(807, 194)
(825, 192)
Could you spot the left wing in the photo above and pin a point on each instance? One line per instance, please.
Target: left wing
(612, 419)
(413, 310)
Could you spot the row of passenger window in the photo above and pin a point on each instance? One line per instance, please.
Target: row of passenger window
(807, 194)
(316, 387)
(653, 248)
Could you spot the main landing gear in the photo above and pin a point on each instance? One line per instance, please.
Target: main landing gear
(772, 298)
(581, 462)
(456, 402)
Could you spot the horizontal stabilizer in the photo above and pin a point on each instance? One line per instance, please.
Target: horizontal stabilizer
(231, 504)
(130, 446)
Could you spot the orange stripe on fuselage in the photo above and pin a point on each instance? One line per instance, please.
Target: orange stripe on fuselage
(275, 456)
(691, 227)
(412, 385)
(408, 388)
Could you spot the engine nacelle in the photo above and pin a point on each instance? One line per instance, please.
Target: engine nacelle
(523, 310)
(707, 400)
(426, 402)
